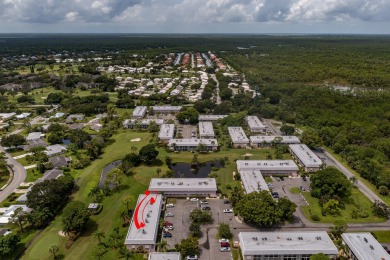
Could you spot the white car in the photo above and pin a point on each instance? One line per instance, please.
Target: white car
(224, 249)
(227, 211)
(192, 257)
(204, 202)
(170, 205)
(169, 214)
(223, 240)
(194, 199)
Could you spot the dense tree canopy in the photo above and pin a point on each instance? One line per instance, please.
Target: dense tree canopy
(12, 140)
(148, 153)
(188, 115)
(74, 217)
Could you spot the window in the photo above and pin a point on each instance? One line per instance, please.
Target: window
(290, 257)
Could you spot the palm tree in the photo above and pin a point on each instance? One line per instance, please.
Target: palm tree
(158, 171)
(124, 253)
(128, 199)
(94, 192)
(98, 235)
(354, 180)
(162, 246)
(134, 149)
(54, 250)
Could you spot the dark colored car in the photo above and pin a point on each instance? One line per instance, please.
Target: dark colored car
(206, 208)
(226, 202)
(225, 244)
(275, 195)
(167, 234)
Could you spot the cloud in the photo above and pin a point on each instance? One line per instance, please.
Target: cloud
(192, 11)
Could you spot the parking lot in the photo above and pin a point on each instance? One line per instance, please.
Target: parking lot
(188, 131)
(181, 222)
(283, 187)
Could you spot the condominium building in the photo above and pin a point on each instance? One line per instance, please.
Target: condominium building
(305, 157)
(166, 109)
(167, 132)
(192, 144)
(142, 124)
(142, 233)
(184, 187)
(164, 256)
(139, 112)
(238, 136)
(268, 167)
(206, 130)
(363, 246)
(255, 125)
(211, 117)
(285, 245)
(267, 140)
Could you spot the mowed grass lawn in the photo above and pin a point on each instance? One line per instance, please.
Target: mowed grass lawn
(359, 198)
(108, 219)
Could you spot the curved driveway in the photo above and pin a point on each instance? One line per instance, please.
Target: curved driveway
(19, 176)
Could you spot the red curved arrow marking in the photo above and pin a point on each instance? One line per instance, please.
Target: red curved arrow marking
(141, 224)
(151, 201)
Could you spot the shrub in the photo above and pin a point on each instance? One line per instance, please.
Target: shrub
(315, 217)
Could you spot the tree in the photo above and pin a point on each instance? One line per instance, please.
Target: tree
(168, 161)
(131, 160)
(158, 171)
(195, 229)
(383, 190)
(98, 251)
(201, 217)
(19, 218)
(134, 149)
(189, 246)
(162, 246)
(236, 195)
(260, 209)
(339, 227)
(116, 238)
(194, 161)
(54, 251)
(40, 218)
(153, 127)
(74, 217)
(128, 200)
(8, 244)
(224, 231)
(114, 177)
(331, 207)
(287, 129)
(12, 140)
(311, 139)
(95, 193)
(99, 235)
(330, 181)
(148, 153)
(188, 115)
(79, 137)
(320, 256)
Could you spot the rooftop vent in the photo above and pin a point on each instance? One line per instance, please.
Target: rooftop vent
(143, 231)
(318, 238)
(372, 248)
(300, 238)
(365, 240)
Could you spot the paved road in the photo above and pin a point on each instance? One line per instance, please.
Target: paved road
(331, 161)
(19, 176)
(218, 101)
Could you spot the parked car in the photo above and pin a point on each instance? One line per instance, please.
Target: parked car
(206, 208)
(194, 199)
(225, 244)
(302, 188)
(227, 211)
(166, 228)
(204, 202)
(275, 195)
(282, 178)
(167, 234)
(192, 257)
(166, 223)
(304, 178)
(226, 202)
(169, 214)
(170, 205)
(223, 240)
(224, 249)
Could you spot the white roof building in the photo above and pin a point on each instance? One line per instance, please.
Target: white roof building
(211, 117)
(261, 139)
(192, 144)
(267, 166)
(183, 187)
(238, 136)
(139, 111)
(206, 130)
(144, 123)
(166, 131)
(166, 109)
(6, 116)
(254, 124)
(7, 213)
(164, 256)
(34, 136)
(23, 115)
(302, 243)
(363, 246)
(253, 181)
(54, 149)
(305, 157)
(148, 214)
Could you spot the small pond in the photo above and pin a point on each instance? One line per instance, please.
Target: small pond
(184, 170)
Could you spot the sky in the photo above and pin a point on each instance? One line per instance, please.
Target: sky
(195, 16)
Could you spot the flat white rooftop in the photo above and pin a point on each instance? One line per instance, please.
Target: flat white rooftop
(206, 129)
(167, 108)
(253, 181)
(182, 184)
(164, 256)
(282, 243)
(148, 234)
(211, 117)
(166, 131)
(143, 121)
(364, 246)
(254, 123)
(139, 111)
(193, 142)
(305, 155)
(266, 165)
(238, 135)
(290, 139)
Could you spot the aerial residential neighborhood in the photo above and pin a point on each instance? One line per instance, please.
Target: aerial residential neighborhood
(160, 153)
